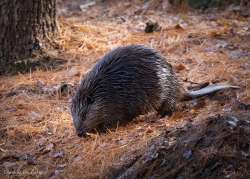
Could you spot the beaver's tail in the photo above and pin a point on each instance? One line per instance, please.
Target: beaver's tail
(188, 95)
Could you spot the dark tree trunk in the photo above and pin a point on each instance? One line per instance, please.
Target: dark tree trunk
(23, 24)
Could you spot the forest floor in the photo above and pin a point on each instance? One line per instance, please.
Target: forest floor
(37, 137)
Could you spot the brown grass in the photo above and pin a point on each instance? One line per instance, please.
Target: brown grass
(31, 121)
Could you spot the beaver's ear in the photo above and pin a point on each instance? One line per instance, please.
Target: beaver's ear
(90, 100)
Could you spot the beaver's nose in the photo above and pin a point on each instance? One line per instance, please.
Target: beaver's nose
(81, 134)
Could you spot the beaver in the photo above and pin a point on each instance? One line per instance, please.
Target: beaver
(127, 82)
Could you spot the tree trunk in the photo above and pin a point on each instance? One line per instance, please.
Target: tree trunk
(23, 24)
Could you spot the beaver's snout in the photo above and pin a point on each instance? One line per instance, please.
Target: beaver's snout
(82, 133)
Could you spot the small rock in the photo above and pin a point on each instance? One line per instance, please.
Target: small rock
(221, 44)
(122, 142)
(12, 93)
(59, 154)
(31, 162)
(57, 172)
(34, 115)
(73, 72)
(139, 128)
(40, 83)
(233, 121)
(11, 109)
(60, 109)
(237, 54)
(152, 26)
(172, 141)
(64, 89)
(188, 154)
(48, 148)
(61, 166)
(77, 158)
(234, 8)
(85, 6)
(9, 164)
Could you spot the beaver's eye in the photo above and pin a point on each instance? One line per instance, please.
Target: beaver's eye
(82, 113)
(90, 100)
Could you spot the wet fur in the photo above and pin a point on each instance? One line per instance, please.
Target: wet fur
(127, 82)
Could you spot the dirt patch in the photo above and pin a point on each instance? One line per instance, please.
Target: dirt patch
(219, 147)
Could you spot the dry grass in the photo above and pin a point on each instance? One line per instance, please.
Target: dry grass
(31, 121)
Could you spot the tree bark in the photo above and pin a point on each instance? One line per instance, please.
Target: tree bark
(23, 24)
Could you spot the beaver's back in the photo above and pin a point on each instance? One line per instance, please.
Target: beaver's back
(130, 81)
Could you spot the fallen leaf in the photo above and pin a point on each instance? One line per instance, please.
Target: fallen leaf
(179, 27)
(180, 67)
(149, 130)
(61, 166)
